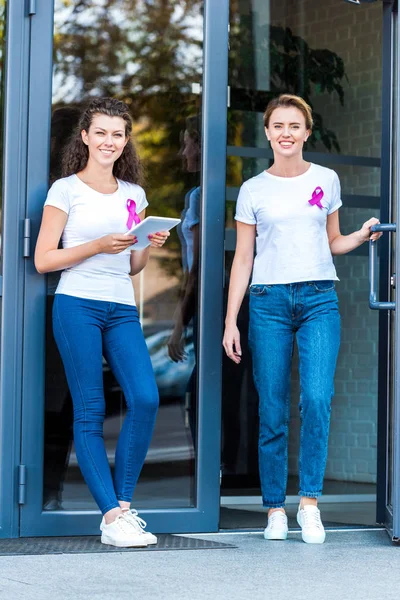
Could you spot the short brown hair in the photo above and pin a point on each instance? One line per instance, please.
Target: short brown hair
(286, 100)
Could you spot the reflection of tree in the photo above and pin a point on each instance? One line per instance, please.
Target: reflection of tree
(294, 68)
(147, 53)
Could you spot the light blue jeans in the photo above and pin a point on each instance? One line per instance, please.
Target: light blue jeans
(85, 330)
(278, 313)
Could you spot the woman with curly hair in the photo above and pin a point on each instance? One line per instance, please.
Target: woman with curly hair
(289, 215)
(94, 314)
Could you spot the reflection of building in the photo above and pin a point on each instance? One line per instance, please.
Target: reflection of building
(321, 50)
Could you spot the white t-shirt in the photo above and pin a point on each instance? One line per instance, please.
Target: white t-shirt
(292, 242)
(92, 215)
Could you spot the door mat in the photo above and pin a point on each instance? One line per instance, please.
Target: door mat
(92, 544)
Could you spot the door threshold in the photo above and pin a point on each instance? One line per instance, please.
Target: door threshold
(326, 499)
(344, 529)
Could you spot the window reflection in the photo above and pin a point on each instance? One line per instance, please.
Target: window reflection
(150, 56)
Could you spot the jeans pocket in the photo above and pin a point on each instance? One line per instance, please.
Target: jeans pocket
(259, 289)
(323, 285)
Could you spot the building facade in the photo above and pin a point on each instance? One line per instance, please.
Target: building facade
(197, 75)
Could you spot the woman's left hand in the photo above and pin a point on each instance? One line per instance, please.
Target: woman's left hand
(365, 231)
(158, 239)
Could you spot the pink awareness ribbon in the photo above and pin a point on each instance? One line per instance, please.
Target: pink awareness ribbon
(133, 216)
(317, 196)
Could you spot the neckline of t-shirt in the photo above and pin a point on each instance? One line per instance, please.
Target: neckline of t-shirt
(95, 191)
(295, 178)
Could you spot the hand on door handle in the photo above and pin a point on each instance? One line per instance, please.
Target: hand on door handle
(374, 303)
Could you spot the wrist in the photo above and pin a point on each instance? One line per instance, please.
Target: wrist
(230, 321)
(98, 246)
(361, 238)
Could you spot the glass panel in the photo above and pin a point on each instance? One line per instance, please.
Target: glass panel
(148, 54)
(3, 6)
(330, 54)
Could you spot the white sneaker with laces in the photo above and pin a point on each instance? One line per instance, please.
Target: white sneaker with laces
(309, 519)
(122, 534)
(139, 524)
(277, 528)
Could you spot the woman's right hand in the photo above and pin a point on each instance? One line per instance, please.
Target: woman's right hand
(231, 343)
(114, 243)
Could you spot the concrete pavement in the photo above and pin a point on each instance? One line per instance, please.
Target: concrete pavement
(359, 565)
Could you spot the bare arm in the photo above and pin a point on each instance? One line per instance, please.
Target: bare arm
(185, 308)
(342, 244)
(188, 300)
(48, 257)
(240, 275)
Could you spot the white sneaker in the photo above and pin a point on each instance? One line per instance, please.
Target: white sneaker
(139, 524)
(277, 528)
(122, 534)
(309, 519)
(131, 515)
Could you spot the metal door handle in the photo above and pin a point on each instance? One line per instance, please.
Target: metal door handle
(373, 274)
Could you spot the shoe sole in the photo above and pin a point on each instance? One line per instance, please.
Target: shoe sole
(275, 537)
(121, 544)
(312, 540)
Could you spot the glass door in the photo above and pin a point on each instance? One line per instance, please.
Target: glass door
(391, 493)
(388, 509)
(157, 58)
(330, 54)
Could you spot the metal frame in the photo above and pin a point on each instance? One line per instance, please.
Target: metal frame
(205, 516)
(322, 158)
(213, 178)
(17, 70)
(40, 88)
(385, 249)
(394, 525)
(14, 194)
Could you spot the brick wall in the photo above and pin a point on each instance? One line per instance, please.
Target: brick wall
(354, 33)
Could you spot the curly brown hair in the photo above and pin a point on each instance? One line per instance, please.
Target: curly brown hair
(75, 157)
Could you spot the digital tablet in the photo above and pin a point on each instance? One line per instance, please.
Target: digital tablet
(150, 225)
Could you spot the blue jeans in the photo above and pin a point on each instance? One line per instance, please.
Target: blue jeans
(85, 330)
(278, 313)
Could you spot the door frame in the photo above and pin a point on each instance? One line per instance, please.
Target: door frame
(205, 516)
(385, 249)
(393, 514)
(387, 514)
(27, 82)
(15, 119)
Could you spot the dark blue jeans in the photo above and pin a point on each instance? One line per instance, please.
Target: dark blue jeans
(85, 330)
(278, 313)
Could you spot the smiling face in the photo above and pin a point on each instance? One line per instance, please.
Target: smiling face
(106, 139)
(287, 131)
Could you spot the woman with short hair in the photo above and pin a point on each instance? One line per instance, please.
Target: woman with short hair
(289, 215)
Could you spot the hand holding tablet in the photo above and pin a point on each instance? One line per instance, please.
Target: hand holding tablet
(150, 225)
